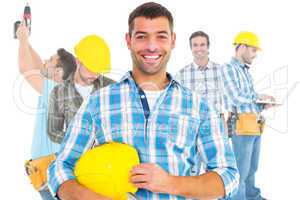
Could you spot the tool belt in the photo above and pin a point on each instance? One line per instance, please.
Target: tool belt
(249, 124)
(37, 170)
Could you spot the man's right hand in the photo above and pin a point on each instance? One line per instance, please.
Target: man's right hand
(22, 32)
(72, 190)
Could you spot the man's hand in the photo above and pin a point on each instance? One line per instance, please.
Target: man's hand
(71, 190)
(22, 32)
(267, 106)
(151, 177)
(267, 97)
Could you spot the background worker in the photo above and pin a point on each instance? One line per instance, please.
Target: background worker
(42, 77)
(92, 59)
(203, 75)
(241, 99)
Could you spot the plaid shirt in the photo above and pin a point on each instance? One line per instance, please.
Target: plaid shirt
(240, 95)
(64, 102)
(180, 129)
(206, 82)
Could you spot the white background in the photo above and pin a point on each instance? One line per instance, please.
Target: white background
(60, 23)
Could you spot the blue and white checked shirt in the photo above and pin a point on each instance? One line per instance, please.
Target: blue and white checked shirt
(180, 129)
(240, 95)
(207, 82)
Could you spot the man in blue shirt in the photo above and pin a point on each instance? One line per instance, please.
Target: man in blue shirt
(42, 77)
(170, 134)
(240, 98)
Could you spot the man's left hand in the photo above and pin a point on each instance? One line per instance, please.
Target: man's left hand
(151, 177)
(267, 97)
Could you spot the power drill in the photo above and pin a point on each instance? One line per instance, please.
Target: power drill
(26, 18)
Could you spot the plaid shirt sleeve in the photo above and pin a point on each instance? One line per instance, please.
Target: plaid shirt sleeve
(221, 86)
(56, 118)
(213, 145)
(80, 137)
(235, 96)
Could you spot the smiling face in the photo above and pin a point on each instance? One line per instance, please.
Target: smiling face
(150, 43)
(199, 47)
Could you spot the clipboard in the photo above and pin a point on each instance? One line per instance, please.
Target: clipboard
(289, 92)
(269, 102)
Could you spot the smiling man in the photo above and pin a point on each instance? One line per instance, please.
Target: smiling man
(171, 127)
(203, 75)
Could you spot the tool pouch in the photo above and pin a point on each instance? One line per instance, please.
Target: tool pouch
(37, 170)
(249, 124)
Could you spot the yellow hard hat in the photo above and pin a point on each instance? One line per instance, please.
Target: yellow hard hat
(93, 52)
(247, 38)
(105, 169)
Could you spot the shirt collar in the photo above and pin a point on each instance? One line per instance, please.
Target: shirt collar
(71, 82)
(237, 62)
(128, 77)
(208, 66)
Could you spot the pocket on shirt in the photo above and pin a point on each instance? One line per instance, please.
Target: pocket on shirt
(118, 127)
(118, 134)
(180, 131)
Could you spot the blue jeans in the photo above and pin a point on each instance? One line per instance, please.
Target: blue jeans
(46, 195)
(246, 150)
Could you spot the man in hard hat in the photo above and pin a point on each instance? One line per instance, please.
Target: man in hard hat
(170, 126)
(92, 59)
(240, 100)
(42, 77)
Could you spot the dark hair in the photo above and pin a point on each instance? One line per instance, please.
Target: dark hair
(201, 34)
(67, 62)
(149, 10)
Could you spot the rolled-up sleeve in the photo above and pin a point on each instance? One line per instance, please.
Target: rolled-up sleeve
(215, 150)
(80, 137)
